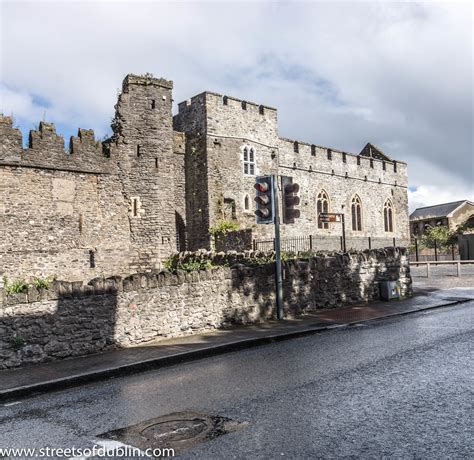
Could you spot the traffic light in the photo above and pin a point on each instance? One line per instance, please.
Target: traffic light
(265, 200)
(290, 200)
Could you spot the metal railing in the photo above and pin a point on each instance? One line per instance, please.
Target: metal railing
(429, 264)
(320, 243)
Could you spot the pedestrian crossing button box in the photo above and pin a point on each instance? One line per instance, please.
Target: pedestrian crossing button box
(390, 290)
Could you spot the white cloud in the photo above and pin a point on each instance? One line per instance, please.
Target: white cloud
(341, 74)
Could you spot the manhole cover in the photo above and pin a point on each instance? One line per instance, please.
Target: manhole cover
(180, 431)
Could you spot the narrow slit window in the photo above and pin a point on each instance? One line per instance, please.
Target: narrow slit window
(156, 163)
(394, 166)
(344, 157)
(92, 259)
(329, 154)
(225, 100)
(139, 150)
(153, 104)
(313, 150)
(244, 105)
(358, 161)
(261, 110)
(371, 163)
(384, 165)
(135, 207)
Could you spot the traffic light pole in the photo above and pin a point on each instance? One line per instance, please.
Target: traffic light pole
(278, 274)
(343, 233)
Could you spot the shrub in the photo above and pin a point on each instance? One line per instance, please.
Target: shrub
(190, 263)
(224, 226)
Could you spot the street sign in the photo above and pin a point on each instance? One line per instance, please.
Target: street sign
(329, 217)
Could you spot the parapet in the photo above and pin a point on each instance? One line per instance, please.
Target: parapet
(46, 149)
(145, 80)
(11, 140)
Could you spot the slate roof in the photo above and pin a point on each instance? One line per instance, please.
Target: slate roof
(438, 210)
(371, 150)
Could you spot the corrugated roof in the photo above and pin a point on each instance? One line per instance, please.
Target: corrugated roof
(438, 210)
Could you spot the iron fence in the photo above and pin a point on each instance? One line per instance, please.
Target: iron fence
(322, 243)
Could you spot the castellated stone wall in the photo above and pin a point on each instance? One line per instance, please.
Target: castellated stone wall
(98, 208)
(231, 125)
(72, 319)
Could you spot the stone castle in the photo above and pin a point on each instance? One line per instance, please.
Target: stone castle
(161, 182)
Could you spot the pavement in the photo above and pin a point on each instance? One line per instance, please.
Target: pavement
(50, 376)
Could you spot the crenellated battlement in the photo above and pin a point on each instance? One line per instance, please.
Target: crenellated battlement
(46, 149)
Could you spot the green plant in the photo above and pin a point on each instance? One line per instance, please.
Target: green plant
(224, 226)
(14, 287)
(17, 343)
(188, 263)
(42, 283)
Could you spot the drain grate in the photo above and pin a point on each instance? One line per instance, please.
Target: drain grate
(180, 431)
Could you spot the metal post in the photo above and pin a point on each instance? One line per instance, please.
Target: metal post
(416, 249)
(278, 277)
(459, 269)
(254, 245)
(452, 250)
(428, 270)
(436, 251)
(310, 242)
(343, 233)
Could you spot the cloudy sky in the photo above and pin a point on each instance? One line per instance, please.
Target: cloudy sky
(399, 75)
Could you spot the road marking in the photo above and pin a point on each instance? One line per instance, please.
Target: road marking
(12, 403)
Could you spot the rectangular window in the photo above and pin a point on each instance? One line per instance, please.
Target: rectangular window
(313, 150)
(384, 166)
(394, 166)
(371, 163)
(329, 154)
(261, 110)
(344, 157)
(249, 161)
(358, 161)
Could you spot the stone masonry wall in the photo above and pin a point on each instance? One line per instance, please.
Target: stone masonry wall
(98, 208)
(72, 319)
(230, 125)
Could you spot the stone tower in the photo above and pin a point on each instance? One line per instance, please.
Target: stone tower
(143, 140)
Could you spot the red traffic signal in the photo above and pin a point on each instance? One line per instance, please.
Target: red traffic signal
(265, 213)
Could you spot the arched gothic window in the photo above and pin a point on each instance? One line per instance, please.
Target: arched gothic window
(322, 205)
(388, 216)
(356, 213)
(246, 203)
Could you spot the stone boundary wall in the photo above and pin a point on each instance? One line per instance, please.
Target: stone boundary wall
(73, 319)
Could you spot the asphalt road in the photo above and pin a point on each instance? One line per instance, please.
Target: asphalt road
(399, 387)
